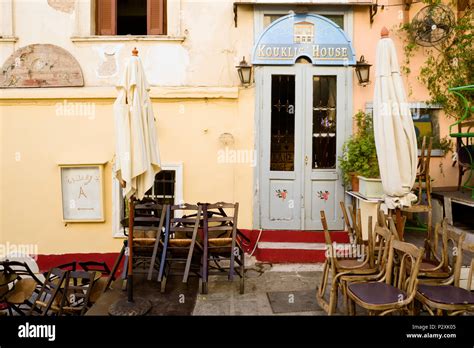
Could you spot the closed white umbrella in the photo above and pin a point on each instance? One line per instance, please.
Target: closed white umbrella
(395, 137)
(137, 159)
(137, 153)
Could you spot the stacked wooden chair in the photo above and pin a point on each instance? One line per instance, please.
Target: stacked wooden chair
(224, 243)
(446, 296)
(26, 286)
(50, 296)
(395, 291)
(181, 244)
(423, 184)
(334, 268)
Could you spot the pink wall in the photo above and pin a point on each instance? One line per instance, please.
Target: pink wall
(366, 37)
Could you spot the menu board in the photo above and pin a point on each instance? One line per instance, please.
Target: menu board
(82, 196)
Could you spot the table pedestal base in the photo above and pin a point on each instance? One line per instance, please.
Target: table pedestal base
(139, 306)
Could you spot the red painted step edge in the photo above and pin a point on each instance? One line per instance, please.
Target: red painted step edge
(291, 237)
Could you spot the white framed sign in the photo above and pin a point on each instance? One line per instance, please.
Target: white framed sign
(82, 192)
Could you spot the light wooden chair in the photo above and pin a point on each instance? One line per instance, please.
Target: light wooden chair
(448, 297)
(423, 184)
(337, 267)
(381, 240)
(396, 290)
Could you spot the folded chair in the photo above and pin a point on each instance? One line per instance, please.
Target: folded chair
(448, 297)
(180, 244)
(100, 284)
(224, 242)
(26, 286)
(77, 290)
(337, 267)
(148, 222)
(396, 290)
(50, 296)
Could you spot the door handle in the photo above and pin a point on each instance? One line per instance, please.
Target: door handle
(305, 160)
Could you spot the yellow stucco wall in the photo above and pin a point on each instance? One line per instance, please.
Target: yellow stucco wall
(189, 120)
(188, 132)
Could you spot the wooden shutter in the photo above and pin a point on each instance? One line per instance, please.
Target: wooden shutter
(156, 17)
(107, 17)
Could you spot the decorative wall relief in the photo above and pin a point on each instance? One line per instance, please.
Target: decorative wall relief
(108, 60)
(41, 65)
(66, 6)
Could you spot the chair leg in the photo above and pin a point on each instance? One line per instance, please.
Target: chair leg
(242, 272)
(154, 255)
(163, 257)
(189, 259)
(333, 297)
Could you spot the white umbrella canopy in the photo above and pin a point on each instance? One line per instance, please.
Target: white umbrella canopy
(137, 154)
(394, 131)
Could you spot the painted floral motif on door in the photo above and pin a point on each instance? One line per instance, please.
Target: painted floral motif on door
(281, 194)
(323, 195)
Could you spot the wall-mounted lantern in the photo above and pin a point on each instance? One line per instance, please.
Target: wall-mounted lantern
(362, 69)
(245, 72)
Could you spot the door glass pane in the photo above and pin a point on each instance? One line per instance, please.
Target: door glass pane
(324, 122)
(282, 123)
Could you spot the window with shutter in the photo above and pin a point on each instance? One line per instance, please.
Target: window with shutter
(131, 17)
(156, 17)
(107, 17)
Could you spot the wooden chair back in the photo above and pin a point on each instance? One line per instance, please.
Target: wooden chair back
(50, 292)
(350, 226)
(77, 292)
(221, 219)
(186, 225)
(403, 275)
(381, 237)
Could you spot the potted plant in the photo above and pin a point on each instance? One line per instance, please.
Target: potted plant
(359, 156)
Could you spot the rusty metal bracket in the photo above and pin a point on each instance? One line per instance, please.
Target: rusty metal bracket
(372, 12)
(235, 14)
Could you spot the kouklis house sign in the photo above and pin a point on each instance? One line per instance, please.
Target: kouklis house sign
(303, 35)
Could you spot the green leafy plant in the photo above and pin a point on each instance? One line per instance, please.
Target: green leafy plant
(450, 64)
(359, 154)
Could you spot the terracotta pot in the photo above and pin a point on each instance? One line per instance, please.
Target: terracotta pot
(354, 182)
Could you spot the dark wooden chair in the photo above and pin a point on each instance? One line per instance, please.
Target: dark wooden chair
(100, 284)
(180, 244)
(448, 297)
(396, 290)
(50, 296)
(224, 242)
(76, 293)
(26, 286)
(336, 267)
(148, 222)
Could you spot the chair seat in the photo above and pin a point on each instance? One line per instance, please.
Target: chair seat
(446, 294)
(352, 263)
(22, 291)
(144, 241)
(376, 293)
(430, 265)
(180, 242)
(220, 241)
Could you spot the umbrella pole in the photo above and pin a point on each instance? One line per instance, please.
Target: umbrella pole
(130, 306)
(398, 217)
(131, 218)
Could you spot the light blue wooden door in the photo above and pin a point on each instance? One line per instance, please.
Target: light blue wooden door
(302, 120)
(282, 118)
(324, 131)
